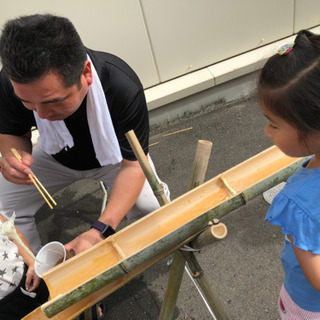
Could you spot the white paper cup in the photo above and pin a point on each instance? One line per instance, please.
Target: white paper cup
(49, 256)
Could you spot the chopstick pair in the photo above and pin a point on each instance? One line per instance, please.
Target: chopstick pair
(36, 182)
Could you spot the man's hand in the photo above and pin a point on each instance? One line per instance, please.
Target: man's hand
(84, 241)
(125, 191)
(15, 171)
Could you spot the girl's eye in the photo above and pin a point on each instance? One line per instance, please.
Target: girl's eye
(271, 125)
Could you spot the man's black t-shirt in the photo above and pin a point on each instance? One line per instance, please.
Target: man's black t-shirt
(126, 102)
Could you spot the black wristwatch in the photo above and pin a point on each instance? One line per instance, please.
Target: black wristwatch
(105, 229)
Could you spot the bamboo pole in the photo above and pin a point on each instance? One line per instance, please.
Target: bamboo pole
(200, 164)
(173, 286)
(215, 231)
(157, 188)
(144, 243)
(198, 172)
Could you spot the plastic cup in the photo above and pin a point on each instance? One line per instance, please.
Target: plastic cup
(49, 256)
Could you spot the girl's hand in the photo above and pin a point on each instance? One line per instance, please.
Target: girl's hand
(32, 280)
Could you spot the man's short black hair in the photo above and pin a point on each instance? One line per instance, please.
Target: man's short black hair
(31, 46)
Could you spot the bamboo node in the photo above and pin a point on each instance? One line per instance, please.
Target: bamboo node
(215, 221)
(243, 198)
(124, 268)
(197, 274)
(159, 192)
(227, 186)
(120, 253)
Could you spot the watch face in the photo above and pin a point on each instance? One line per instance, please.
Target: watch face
(105, 229)
(108, 231)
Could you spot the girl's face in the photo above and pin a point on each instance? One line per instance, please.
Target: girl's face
(287, 138)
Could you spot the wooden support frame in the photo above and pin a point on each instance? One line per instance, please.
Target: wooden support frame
(198, 172)
(90, 276)
(212, 300)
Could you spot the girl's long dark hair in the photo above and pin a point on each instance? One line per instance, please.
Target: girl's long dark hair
(289, 84)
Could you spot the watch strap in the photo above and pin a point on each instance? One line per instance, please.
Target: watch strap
(105, 229)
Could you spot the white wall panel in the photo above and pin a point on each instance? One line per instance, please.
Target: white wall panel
(187, 35)
(307, 14)
(106, 25)
(165, 39)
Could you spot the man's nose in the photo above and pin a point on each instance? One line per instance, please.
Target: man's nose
(41, 111)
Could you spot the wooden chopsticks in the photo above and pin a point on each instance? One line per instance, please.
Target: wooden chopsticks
(36, 182)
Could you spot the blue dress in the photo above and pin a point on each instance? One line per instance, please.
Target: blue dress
(297, 210)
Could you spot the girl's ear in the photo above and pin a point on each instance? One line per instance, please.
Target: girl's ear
(87, 73)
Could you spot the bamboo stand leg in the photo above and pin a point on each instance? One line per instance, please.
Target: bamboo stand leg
(211, 298)
(174, 283)
(198, 173)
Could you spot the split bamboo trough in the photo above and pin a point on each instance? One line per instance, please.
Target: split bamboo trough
(92, 275)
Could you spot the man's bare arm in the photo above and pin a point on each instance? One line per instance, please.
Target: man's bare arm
(8, 141)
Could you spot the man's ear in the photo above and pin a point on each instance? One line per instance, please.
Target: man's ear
(87, 73)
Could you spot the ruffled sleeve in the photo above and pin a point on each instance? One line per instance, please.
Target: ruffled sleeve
(296, 221)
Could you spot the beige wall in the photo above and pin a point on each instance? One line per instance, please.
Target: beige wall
(165, 39)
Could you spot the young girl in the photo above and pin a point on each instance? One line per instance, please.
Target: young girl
(289, 94)
(21, 290)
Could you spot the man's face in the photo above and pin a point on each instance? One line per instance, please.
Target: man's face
(49, 97)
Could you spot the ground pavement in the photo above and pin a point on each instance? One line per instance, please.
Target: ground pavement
(244, 268)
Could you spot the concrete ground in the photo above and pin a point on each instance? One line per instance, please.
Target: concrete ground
(244, 268)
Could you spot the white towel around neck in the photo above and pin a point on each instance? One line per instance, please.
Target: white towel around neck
(54, 135)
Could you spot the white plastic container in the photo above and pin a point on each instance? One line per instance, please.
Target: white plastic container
(49, 256)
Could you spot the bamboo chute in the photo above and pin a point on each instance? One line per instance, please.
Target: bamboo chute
(90, 276)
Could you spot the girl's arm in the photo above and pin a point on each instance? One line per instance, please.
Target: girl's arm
(32, 280)
(309, 263)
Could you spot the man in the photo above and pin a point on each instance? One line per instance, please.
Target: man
(82, 102)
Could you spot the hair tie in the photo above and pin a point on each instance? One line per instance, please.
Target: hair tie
(285, 49)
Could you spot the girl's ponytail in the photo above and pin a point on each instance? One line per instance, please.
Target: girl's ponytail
(308, 42)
